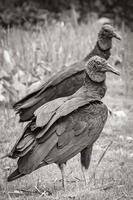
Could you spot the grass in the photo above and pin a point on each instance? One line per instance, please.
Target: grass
(29, 56)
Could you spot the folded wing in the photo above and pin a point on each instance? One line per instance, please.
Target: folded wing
(60, 85)
(68, 136)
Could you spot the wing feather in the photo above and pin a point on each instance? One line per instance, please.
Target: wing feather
(25, 150)
(65, 109)
(31, 161)
(27, 131)
(61, 76)
(91, 121)
(45, 112)
(25, 142)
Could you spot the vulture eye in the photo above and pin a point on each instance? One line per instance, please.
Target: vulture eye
(96, 67)
(98, 63)
(106, 32)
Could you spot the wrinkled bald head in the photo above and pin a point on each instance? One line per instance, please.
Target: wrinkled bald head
(107, 31)
(96, 68)
(105, 36)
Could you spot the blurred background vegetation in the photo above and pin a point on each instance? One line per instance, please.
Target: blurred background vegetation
(20, 12)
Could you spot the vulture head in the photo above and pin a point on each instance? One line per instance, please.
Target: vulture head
(97, 67)
(105, 36)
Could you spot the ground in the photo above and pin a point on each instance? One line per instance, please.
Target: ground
(55, 46)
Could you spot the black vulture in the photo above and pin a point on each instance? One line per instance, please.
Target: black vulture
(67, 82)
(65, 126)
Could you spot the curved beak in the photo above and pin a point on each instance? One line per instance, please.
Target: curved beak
(116, 35)
(109, 68)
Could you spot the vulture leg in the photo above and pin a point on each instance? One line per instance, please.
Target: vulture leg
(85, 160)
(83, 173)
(62, 166)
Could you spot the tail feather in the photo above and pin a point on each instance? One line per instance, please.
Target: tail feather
(26, 113)
(25, 99)
(15, 175)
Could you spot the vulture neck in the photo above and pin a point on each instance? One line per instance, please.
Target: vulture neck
(92, 89)
(104, 44)
(102, 49)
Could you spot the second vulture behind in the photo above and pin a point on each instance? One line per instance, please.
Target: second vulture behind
(67, 82)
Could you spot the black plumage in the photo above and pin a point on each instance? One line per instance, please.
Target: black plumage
(65, 126)
(67, 82)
